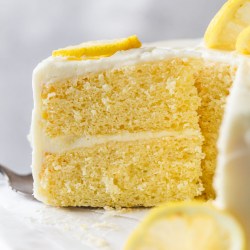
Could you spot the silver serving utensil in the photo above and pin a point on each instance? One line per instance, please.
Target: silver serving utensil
(19, 183)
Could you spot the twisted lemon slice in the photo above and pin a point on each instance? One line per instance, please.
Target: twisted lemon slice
(187, 226)
(228, 23)
(94, 50)
(243, 41)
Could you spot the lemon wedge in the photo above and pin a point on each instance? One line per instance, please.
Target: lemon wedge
(243, 41)
(228, 23)
(187, 226)
(97, 49)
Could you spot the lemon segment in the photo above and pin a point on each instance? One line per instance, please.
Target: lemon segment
(95, 50)
(243, 41)
(187, 226)
(228, 23)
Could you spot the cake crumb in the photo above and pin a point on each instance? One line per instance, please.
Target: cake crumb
(98, 242)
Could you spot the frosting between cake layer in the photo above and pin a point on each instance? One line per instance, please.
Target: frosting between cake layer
(61, 144)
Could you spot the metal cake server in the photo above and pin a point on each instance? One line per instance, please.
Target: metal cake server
(19, 183)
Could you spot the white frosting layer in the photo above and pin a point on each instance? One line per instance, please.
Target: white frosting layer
(62, 144)
(232, 180)
(233, 175)
(56, 68)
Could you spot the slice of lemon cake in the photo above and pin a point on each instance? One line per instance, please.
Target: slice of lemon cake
(118, 125)
(120, 130)
(131, 129)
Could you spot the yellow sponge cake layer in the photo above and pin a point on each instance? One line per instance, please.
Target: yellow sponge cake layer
(134, 129)
(126, 174)
(151, 96)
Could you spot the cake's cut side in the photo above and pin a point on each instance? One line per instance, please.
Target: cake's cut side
(135, 134)
(213, 82)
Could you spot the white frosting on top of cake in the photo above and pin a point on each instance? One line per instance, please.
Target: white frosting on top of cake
(56, 68)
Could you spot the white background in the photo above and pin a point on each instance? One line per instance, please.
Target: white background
(31, 29)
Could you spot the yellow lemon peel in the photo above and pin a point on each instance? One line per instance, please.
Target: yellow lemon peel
(243, 41)
(98, 49)
(228, 23)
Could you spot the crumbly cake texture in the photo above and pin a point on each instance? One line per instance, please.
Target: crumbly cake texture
(213, 82)
(125, 174)
(129, 135)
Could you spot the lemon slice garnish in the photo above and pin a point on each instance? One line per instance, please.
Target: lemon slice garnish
(228, 23)
(187, 226)
(243, 41)
(97, 49)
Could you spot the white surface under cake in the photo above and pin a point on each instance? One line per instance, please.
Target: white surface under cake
(27, 224)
